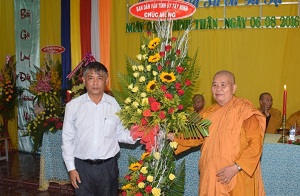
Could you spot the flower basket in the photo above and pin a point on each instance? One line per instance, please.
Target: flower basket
(48, 109)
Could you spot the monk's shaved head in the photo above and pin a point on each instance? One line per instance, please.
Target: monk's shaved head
(227, 73)
(223, 87)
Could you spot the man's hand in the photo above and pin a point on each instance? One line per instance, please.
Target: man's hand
(74, 177)
(225, 175)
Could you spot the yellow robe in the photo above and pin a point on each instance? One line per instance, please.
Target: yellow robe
(293, 119)
(235, 136)
(275, 121)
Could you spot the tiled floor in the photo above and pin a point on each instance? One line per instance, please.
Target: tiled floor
(20, 176)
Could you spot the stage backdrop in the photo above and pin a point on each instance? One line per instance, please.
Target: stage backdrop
(262, 59)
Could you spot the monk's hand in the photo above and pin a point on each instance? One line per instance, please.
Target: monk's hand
(266, 111)
(74, 177)
(226, 174)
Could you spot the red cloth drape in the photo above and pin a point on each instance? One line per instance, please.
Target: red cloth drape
(104, 24)
(85, 26)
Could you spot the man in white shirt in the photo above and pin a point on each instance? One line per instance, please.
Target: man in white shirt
(91, 135)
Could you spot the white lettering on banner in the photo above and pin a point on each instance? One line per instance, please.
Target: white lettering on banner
(176, 9)
(160, 14)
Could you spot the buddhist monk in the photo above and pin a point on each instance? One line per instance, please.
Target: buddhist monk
(230, 156)
(273, 115)
(198, 102)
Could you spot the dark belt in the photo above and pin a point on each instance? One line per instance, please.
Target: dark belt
(96, 161)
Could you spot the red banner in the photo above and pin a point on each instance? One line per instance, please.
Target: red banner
(53, 49)
(162, 9)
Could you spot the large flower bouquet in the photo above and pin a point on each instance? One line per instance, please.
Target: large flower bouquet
(157, 91)
(49, 112)
(9, 92)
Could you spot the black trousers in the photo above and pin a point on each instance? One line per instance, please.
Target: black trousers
(99, 179)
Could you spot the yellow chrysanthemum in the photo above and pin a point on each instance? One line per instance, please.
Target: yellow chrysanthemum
(127, 186)
(144, 170)
(154, 58)
(150, 178)
(172, 176)
(141, 185)
(173, 145)
(156, 191)
(153, 43)
(135, 166)
(151, 86)
(144, 155)
(156, 155)
(167, 77)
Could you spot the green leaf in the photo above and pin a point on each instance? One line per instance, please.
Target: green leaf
(177, 187)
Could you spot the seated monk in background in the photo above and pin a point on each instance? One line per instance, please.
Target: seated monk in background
(273, 116)
(230, 156)
(198, 103)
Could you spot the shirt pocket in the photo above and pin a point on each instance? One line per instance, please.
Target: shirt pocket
(110, 126)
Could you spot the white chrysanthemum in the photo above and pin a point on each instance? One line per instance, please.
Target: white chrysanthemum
(148, 67)
(135, 104)
(145, 56)
(145, 101)
(140, 68)
(134, 67)
(142, 79)
(139, 57)
(127, 100)
(139, 111)
(135, 89)
(154, 73)
(130, 86)
(136, 74)
(143, 94)
(143, 47)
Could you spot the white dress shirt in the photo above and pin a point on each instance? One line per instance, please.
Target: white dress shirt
(92, 131)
